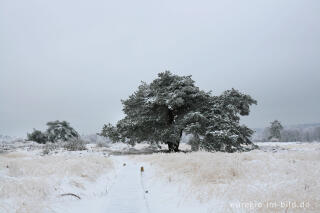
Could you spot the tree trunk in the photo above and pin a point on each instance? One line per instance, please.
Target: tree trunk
(173, 147)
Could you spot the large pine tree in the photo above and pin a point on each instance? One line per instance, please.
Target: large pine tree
(161, 111)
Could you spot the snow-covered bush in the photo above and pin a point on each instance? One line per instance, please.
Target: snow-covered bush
(49, 147)
(60, 131)
(75, 144)
(56, 131)
(37, 136)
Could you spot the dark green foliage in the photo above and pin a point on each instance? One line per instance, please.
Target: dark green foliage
(217, 122)
(275, 130)
(60, 131)
(37, 136)
(161, 111)
(56, 131)
(111, 132)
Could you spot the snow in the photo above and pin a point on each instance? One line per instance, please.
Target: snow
(177, 182)
(30, 182)
(124, 194)
(219, 180)
(127, 194)
(165, 197)
(135, 192)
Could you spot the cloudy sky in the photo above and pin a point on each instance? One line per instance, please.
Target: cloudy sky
(74, 60)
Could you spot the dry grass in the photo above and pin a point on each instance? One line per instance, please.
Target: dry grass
(29, 181)
(246, 178)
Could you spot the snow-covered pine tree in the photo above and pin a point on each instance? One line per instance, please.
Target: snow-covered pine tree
(161, 111)
(275, 130)
(60, 131)
(216, 122)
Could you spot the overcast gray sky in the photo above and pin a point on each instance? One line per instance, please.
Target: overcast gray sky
(74, 60)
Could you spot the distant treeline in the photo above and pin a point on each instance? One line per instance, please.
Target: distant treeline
(308, 135)
(290, 134)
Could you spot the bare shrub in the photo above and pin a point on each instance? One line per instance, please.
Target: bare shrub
(49, 147)
(75, 144)
(194, 143)
(101, 144)
(45, 151)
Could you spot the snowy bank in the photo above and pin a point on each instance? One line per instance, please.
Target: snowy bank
(33, 183)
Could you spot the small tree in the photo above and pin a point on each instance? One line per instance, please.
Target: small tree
(275, 130)
(37, 136)
(60, 131)
(56, 131)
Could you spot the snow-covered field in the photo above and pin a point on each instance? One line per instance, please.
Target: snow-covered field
(280, 177)
(30, 182)
(277, 178)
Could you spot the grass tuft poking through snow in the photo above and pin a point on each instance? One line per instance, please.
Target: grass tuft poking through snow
(234, 180)
(29, 182)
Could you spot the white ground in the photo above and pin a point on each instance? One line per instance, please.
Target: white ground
(133, 191)
(123, 195)
(171, 183)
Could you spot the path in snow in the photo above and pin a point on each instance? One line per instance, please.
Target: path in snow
(126, 195)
